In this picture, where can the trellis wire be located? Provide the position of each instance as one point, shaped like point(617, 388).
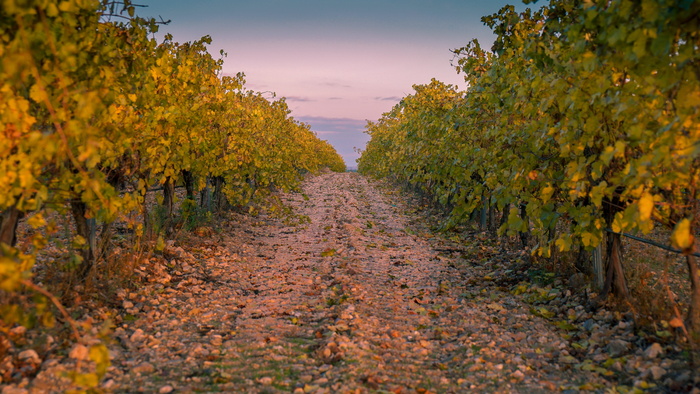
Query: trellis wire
point(650, 242)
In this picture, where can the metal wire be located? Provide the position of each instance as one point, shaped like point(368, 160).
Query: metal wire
point(650, 242)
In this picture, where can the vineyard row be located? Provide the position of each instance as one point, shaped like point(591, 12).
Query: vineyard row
point(94, 112)
point(583, 117)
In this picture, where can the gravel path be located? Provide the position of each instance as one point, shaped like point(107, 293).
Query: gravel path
point(352, 301)
point(352, 293)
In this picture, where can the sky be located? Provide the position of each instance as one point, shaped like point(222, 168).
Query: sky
point(338, 63)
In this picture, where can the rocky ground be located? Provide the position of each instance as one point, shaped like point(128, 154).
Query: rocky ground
point(354, 294)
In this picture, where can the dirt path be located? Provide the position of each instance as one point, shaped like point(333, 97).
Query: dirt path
point(352, 301)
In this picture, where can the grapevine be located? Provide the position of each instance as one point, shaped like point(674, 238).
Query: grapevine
point(95, 112)
point(583, 115)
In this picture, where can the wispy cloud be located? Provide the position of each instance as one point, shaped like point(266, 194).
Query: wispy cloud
point(335, 85)
point(389, 98)
point(301, 99)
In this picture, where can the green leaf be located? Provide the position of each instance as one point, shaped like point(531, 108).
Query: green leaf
point(566, 326)
point(542, 312)
point(640, 46)
point(661, 45)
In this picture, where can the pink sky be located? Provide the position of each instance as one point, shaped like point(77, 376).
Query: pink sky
point(338, 62)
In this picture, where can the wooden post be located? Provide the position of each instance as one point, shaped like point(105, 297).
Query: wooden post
point(694, 309)
point(188, 179)
point(8, 226)
point(168, 204)
point(86, 228)
point(524, 235)
point(598, 268)
point(205, 196)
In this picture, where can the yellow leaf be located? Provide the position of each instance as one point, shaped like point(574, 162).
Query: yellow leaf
point(589, 239)
point(681, 237)
point(37, 94)
point(100, 355)
point(496, 306)
point(547, 193)
point(564, 244)
point(79, 241)
point(39, 241)
point(10, 274)
point(67, 6)
point(646, 206)
point(328, 252)
point(86, 380)
point(26, 177)
point(160, 244)
point(51, 10)
point(617, 223)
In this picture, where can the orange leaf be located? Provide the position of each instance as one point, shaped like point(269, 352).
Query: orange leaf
point(676, 323)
